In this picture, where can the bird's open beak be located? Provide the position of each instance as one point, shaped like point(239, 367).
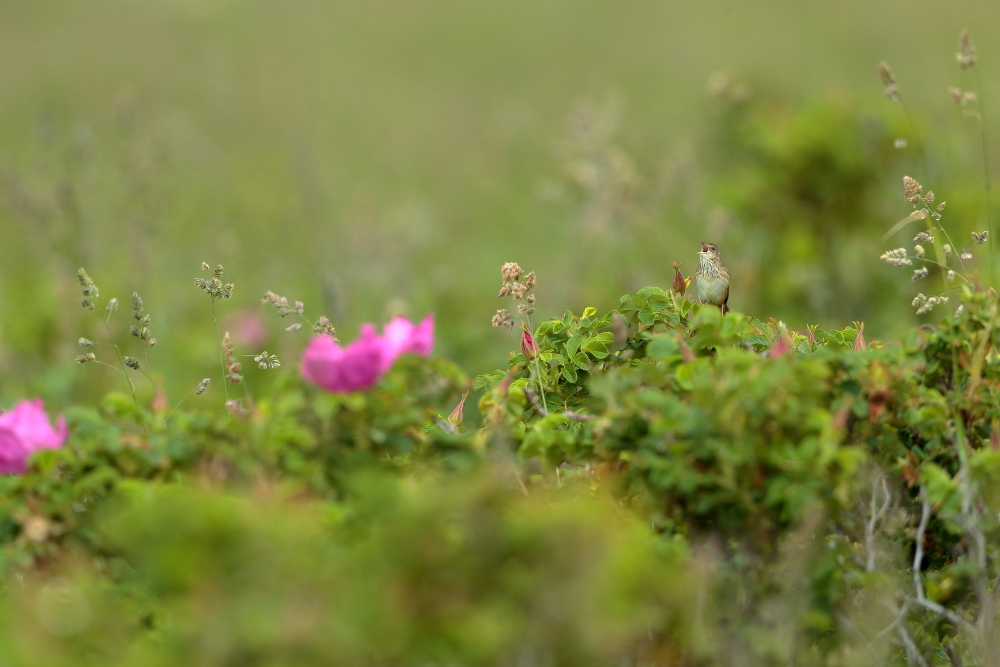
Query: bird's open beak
point(704, 248)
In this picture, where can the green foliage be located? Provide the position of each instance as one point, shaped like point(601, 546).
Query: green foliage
point(782, 481)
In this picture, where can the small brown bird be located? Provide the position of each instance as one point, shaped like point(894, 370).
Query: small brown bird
point(712, 277)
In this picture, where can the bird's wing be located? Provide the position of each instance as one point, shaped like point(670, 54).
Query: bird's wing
point(725, 301)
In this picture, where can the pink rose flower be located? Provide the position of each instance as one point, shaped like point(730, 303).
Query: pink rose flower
point(403, 337)
point(25, 429)
point(362, 363)
point(344, 369)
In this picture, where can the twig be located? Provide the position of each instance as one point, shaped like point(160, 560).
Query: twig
point(918, 556)
point(900, 616)
point(875, 518)
point(912, 652)
point(533, 397)
point(846, 622)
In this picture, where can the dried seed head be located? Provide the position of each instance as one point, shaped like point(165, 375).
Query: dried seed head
point(889, 81)
point(924, 237)
point(966, 255)
point(896, 257)
point(279, 302)
point(966, 56)
point(152, 342)
point(136, 306)
point(112, 305)
point(504, 291)
point(85, 342)
point(529, 280)
point(227, 348)
point(530, 298)
point(134, 330)
point(323, 326)
point(205, 266)
point(132, 363)
point(202, 386)
point(928, 303)
point(265, 361)
point(213, 286)
point(956, 94)
point(920, 274)
point(236, 408)
point(918, 250)
point(90, 290)
point(946, 250)
point(918, 300)
point(295, 327)
point(503, 319)
point(510, 272)
point(912, 190)
point(959, 310)
point(951, 276)
point(980, 238)
point(84, 358)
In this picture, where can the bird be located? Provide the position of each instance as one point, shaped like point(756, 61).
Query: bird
point(712, 278)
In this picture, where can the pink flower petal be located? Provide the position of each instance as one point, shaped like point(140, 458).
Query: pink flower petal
point(402, 337)
point(333, 368)
point(24, 430)
point(361, 364)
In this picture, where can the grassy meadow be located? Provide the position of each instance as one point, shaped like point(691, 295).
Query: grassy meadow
point(811, 479)
point(386, 157)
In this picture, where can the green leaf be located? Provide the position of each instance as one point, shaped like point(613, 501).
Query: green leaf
point(664, 347)
point(632, 302)
point(572, 345)
point(598, 345)
point(647, 316)
point(482, 382)
point(569, 373)
point(646, 292)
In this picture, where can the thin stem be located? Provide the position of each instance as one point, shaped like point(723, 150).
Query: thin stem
point(146, 355)
point(954, 249)
point(176, 407)
point(538, 368)
point(222, 356)
point(114, 368)
point(944, 267)
point(987, 175)
point(921, 154)
point(121, 360)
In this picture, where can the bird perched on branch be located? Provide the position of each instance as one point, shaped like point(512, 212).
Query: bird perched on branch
point(712, 277)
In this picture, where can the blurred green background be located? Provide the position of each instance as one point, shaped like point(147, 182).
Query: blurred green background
point(383, 157)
